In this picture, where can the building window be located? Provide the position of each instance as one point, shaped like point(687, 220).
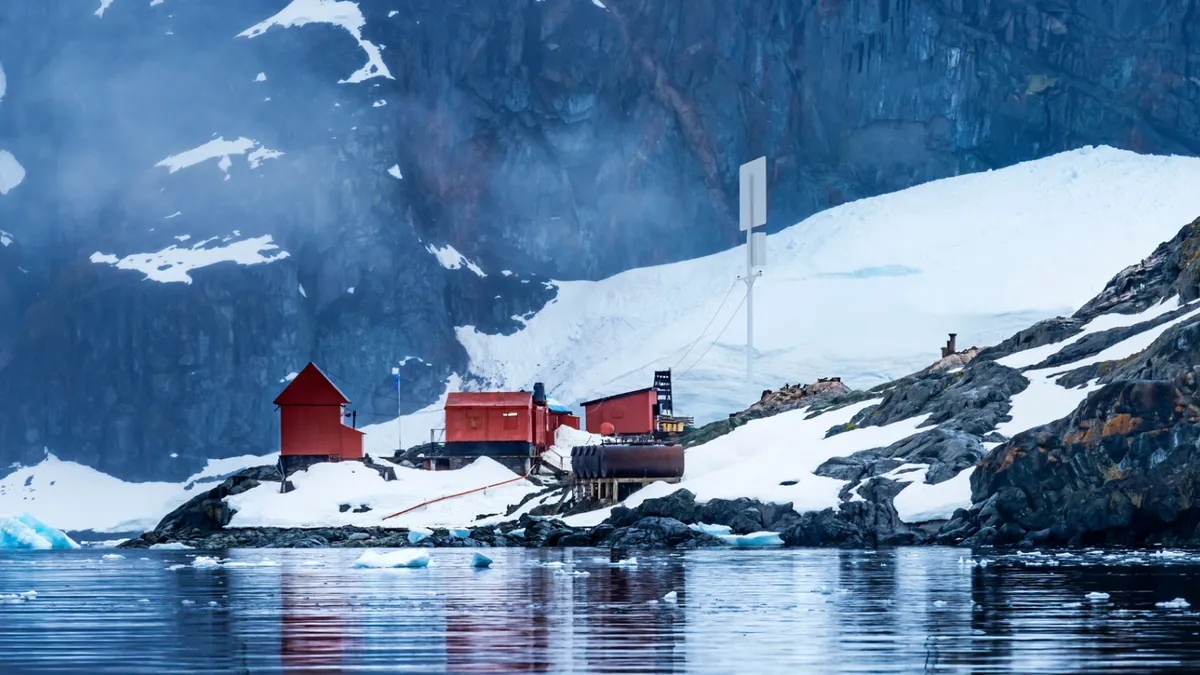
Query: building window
point(510, 420)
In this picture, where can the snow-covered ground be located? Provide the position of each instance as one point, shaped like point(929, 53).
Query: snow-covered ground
point(324, 487)
point(73, 497)
point(866, 291)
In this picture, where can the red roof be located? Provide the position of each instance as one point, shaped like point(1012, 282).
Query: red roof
point(489, 399)
point(311, 387)
point(616, 396)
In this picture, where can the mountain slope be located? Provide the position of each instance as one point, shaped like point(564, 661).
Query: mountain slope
point(866, 291)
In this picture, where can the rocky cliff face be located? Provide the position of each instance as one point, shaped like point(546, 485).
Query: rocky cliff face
point(552, 138)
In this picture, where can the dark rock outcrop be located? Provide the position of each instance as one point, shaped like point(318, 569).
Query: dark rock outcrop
point(208, 512)
point(1121, 470)
point(789, 397)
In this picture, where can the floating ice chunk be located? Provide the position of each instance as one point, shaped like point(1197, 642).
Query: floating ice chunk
point(671, 597)
point(112, 556)
point(480, 560)
point(1096, 596)
point(1072, 605)
point(23, 531)
point(416, 534)
point(187, 602)
point(205, 562)
point(13, 598)
point(172, 546)
point(265, 562)
point(460, 532)
point(1177, 603)
point(174, 568)
point(143, 600)
point(714, 530)
point(393, 559)
point(625, 562)
point(939, 603)
point(754, 540)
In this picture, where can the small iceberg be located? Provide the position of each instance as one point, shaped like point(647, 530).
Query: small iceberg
point(23, 531)
point(112, 556)
point(460, 532)
point(753, 540)
point(714, 530)
point(205, 562)
point(625, 562)
point(173, 546)
point(373, 559)
point(480, 560)
point(1177, 603)
point(416, 534)
point(1096, 596)
point(671, 597)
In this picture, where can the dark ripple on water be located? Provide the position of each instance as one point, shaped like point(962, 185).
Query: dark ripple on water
point(791, 611)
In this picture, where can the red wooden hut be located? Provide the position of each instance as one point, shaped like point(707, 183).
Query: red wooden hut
point(312, 425)
point(512, 427)
point(632, 412)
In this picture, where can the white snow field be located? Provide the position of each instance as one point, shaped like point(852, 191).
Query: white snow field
point(73, 497)
point(323, 488)
point(866, 291)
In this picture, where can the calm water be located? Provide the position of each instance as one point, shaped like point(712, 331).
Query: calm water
point(797, 611)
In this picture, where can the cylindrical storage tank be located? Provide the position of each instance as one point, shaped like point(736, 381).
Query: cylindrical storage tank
point(583, 461)
point(639, 461)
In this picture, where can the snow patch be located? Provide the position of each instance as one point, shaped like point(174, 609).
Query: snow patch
point(12, 173)
point(173, 264)
point(66, 494)
point(341, 13)
point(220, 150)
point(451, 259)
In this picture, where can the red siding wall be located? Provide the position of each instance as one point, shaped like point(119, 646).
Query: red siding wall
point(465, 424)
point(317, 430)
point(632, 414)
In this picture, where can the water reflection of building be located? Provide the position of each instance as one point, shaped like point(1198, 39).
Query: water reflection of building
point(314, 627)
point(500, 623)
point(628, 626)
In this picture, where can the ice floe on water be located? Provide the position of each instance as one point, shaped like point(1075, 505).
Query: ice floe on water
point(375, 559)
point(14, 598)
point(1177, 603)
point(480, 560)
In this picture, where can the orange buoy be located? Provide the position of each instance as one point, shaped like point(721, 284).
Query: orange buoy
point(607, 429)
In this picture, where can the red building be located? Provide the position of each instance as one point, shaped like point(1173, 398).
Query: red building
point(312, 425)
point(633, 412)
point(514, 428)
